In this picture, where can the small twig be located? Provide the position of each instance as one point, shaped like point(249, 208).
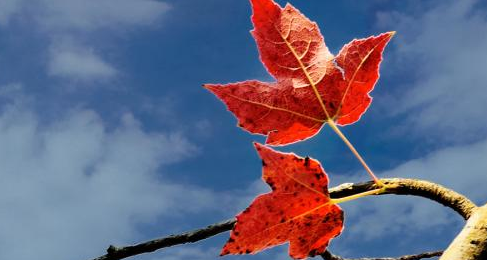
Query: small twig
point(425, 189)
point(329, 256)
point(114, 252)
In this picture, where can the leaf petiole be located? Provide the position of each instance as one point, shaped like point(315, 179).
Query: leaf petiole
point(357, 196)
point(335, 128)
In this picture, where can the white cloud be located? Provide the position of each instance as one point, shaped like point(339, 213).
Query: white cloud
point(85, 15)
point(99, 14)
point(447, 46)
point(461, 168)
point(188, 252)
point(444, 48)
point(71, 187)
point(7, 9)
point(12, 91)
point(206, 252)
point(78, 63)
point(81, 21)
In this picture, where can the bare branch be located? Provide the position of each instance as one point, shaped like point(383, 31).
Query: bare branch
point(116, 253)
point(446, 197)
point(425, 189)
point(471, 242)
point(329, 256)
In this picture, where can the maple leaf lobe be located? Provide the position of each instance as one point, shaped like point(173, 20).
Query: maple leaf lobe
point(359, 60)
point(312, 86)
point(272, 110)
point(290, 45)
point(297, 210)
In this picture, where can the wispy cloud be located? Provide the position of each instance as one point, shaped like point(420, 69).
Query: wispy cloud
point(197, 253)
point(444, 48)
point(440, 56)
point(207, 252)
point(7, 9)
point(88, 15)
point(82, 22)
point(78, 63)
point(461, 168)
point(74, 182)
point(99, 14)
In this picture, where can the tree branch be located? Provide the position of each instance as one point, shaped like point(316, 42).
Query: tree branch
point(116, 253)
point(471, 242)
point(435, 192)
point(329, 256)
point(397, 186)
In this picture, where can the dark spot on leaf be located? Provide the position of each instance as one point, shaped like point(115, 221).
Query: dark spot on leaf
point(263, 163)
point(306, 161)
point(326, 219)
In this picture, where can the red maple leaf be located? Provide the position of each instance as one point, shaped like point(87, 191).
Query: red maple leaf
point(297, 210)
point(313, 87)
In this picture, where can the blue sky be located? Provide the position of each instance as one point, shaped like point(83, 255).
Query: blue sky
point(107, 137)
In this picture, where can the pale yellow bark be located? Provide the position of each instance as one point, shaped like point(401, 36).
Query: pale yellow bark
point(471, 243)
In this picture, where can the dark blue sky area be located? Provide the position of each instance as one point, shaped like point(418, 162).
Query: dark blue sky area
point(102, 107)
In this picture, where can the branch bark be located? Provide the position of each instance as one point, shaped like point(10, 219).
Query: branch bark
point(471, 243)
point(397, 186)
point(435, 192)
point(116, 253)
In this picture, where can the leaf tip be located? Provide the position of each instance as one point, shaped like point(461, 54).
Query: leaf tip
point(258, 146)
point(225, 250)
